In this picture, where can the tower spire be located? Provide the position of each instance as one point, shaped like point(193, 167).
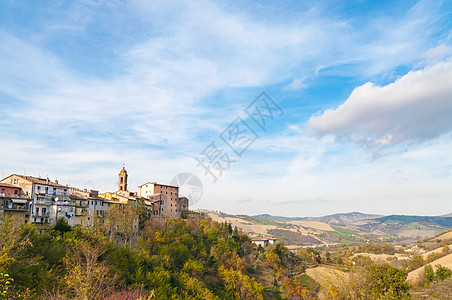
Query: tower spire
point(122, 183)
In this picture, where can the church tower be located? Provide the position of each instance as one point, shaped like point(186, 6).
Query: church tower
point(122, 184)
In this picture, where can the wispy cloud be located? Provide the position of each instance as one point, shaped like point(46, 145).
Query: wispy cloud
point(81, 95)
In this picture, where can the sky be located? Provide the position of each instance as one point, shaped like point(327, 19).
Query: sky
point(293, 108)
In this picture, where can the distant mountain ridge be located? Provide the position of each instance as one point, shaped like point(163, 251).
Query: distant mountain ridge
point(340, 218)
point(347, 218)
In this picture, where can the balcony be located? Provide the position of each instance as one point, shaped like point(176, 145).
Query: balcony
point(41, 215)
point(59, 193)
point(62, 199)
point(6, 195)
point(15, 207)
point(43, 202)
point(39, 192)
point(47, 200)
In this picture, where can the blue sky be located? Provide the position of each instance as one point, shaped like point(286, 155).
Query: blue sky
point(365, 88)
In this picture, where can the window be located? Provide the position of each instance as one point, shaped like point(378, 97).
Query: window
point(37, 210)
point(47, 189)
point(44, 210)
point(15, 192)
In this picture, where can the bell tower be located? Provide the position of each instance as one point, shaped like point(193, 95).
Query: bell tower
point(122, 184)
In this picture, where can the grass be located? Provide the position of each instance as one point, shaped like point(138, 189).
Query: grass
point(346, 241)
point(259, 221)
point(307, 282)
point(344, 231)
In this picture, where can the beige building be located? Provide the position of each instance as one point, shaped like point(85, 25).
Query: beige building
point(46, 196)
point(165, 199)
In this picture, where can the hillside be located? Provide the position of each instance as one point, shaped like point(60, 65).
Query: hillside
point(194, 258)
point(338, 219)
point(345, 228)
point(293, 233)
point(445, 261)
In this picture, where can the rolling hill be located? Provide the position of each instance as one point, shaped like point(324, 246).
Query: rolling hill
point(353, 227)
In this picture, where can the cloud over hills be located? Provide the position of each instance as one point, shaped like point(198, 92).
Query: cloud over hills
point(415, 108)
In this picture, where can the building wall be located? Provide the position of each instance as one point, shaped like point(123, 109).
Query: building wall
point(10, 190)
point(146, 190)
point(170, 207)
point(43, 195)
point(25, 185)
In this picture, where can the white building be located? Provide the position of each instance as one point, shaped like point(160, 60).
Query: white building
point(45, 196)
point(264, 242)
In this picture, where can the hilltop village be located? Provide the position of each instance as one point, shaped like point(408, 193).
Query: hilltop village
point(43, 201)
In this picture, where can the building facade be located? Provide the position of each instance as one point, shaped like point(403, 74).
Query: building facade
point(165, 199)
point(46, 196)
point(13, 202)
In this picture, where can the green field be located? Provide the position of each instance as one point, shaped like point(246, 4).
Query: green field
point(343, 231)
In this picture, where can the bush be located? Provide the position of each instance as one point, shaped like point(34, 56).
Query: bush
point(429, 274)
point(443, 272)
point(62, 226)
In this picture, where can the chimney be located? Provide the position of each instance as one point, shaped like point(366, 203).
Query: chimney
point(56, 181)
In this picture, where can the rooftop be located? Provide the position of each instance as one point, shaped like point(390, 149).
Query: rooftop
point(157, 184)
point(37, 180)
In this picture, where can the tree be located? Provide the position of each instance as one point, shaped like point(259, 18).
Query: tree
point(241, 285)
point(143, 213)
point(62, 226)
point(429, 274)
point(443, 272)
point(122, 222)
point(87, 276)
point(375, 281)
point(416, 262)
point(386, 280)
point(14, 237)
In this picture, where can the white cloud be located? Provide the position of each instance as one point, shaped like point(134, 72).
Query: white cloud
point(417, 107)
point(438, 52)
point(296, 84)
